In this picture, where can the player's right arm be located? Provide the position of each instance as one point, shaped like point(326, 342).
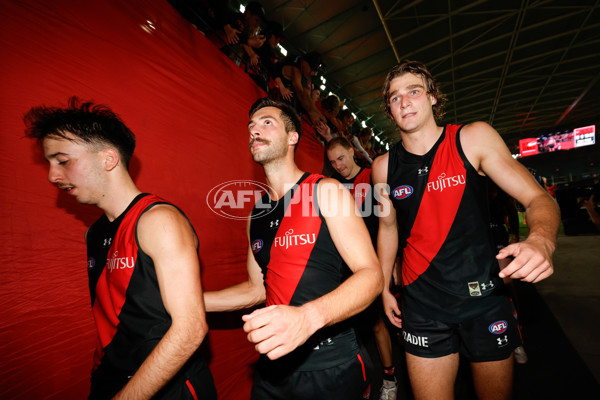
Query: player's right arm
point(242, 295)
point(387, 237)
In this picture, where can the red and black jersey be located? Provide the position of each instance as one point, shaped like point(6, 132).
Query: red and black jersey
point(361, 188)
point(300, 263)
point(441, 204)
point(126, 302)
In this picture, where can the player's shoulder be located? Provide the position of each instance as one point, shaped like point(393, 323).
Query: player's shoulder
point(477, 130)
point(327, 183)
point(160, 214)
point(379, 167)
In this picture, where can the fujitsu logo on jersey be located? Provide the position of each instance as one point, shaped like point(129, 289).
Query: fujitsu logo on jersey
point(445, 183)
point(116, 262)
point(289, 239)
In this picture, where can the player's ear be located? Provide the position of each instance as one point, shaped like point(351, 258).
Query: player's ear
point(293, 138)
point(110, 158)
point(433, 99)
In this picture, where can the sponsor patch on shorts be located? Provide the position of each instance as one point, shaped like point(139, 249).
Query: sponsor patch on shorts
point(474, 289)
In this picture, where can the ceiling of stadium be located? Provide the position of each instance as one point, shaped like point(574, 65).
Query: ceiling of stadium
point(525, 66)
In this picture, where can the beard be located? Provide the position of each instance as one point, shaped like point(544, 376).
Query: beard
point(271, 151)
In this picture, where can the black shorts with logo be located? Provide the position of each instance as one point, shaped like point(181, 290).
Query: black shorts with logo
point(491, 336)
point(346, 381)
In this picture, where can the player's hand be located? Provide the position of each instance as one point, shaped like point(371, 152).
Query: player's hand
point(391, 309)
point(277, 330)
point(532, 260)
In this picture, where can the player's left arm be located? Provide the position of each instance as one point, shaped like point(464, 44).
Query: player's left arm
point(277, 330)
point(168, 238)
point(487, 152)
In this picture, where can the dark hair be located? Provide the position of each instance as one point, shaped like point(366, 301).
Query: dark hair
point(288, 114)
point(345, 113)
point(273, 29)
point(96, 125)
point(338, 141)
point(365, 132)
point(255, 8)
point(416, 68)
point(315, 61)
point(331, 103)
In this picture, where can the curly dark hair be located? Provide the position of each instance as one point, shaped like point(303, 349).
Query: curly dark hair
point(416, 68)
point(93, 124)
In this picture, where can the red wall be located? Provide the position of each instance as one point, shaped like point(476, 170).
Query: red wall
point(187, 104)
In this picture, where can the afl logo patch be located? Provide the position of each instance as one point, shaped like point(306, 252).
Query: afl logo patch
point(91, 262)
point(257, 245)
point(402, 192)
point(498, 327)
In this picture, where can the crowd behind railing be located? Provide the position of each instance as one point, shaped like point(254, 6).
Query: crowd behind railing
point(254, 43)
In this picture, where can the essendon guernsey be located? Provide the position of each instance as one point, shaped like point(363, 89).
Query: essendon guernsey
point(126, 303)
point(300, 263)
point(441, 204)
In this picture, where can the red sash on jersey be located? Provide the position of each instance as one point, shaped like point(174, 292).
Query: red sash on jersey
point(437, 211)
point(293, 244)
point(112, 285)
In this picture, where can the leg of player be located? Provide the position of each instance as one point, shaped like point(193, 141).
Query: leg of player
point(493, 380)
point(389, 386)
point(432, 378)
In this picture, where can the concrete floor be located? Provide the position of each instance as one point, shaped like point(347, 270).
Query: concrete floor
point(573, 295)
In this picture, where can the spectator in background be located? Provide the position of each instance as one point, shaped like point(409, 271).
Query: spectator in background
point(315, 95)
point(347, 119)
point(242, 33)
point(296, 73)
point(358, 180)
point(330, 107)
point(239, 27)
point(364, 136)
point(264, 72)
point(367, 154)
point(590, 205)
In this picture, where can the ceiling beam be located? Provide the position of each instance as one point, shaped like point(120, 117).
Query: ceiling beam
point(508, 59)
point(387, 31)
point(558, 63)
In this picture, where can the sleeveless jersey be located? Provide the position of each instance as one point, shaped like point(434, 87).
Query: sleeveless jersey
point(361, 188)
point(300, 263)
point(126, 303)
point(449, 266)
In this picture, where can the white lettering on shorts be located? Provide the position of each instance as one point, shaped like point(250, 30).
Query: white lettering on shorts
point(422, 341)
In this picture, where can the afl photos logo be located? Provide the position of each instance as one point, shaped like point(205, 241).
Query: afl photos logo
point(235, 199)
point(402, 192)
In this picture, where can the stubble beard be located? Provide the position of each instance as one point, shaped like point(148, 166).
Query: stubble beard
point(269, 153)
